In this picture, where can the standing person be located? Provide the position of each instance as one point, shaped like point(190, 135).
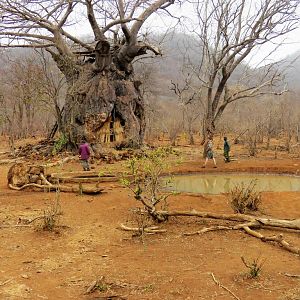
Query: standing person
point(209, 153)
point(226, 150)
point(84, 155)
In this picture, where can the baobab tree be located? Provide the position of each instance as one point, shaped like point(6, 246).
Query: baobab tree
point(99, 74)
point(229, 31)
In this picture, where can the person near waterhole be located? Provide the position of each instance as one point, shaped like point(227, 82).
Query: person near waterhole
point(226, 150)
point(209, 153)
point(84, 154)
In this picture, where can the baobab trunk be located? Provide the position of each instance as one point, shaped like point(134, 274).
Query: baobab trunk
point(99, 96)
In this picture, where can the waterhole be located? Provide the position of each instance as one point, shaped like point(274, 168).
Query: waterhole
point(223, 183)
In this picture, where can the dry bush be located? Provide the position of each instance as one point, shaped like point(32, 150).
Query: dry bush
point(245, 198)
point(50, 219)
point(142, 220)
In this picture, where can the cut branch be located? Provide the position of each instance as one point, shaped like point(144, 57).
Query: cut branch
point(278, 239)
point(150, 229)
point(224, 287)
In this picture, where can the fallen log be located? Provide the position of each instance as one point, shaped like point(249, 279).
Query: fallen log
point(74, 174)
point(10, 161)
point(256, 220)
point(85, 177)
point(278, 239)
point(61, 188)
point(220, 227)
point(251, 222)
point(21, 176)
point(60, 162)
point(85, 180)
point(81, 177)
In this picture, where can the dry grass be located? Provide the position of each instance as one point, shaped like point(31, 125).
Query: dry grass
point(50, 219)
point(244, 198)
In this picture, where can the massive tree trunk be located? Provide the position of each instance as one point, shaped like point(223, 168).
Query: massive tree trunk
point(101, 91)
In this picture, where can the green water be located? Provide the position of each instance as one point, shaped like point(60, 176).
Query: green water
point(223, 183)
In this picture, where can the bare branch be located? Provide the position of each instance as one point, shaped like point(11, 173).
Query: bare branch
point(67, 14)
point(228, 32)
point(123, 25)
point(91, 17)
point(145, 15)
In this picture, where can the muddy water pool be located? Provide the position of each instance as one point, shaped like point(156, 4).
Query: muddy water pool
point(223, 183)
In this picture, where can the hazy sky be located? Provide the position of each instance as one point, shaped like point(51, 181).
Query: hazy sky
point(284, 46)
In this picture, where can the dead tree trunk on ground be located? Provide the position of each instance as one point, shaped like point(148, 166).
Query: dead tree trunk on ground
point(247, 223)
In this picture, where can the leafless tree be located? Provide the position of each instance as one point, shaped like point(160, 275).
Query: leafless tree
point(171, 122)
point(145, 73)
point(53, 86)
point(189, 101)
point(228, 32)
point(99, 73)
point(22, 81)
point(32, 88)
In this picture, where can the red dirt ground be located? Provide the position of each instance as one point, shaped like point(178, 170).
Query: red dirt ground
point(88, 245)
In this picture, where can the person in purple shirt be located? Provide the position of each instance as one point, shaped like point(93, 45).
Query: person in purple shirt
point(84, 155)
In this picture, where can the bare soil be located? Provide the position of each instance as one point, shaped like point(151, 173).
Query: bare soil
point(88, 245)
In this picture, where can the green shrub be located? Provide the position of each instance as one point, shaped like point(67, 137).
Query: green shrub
point(59, 144)
point(144, 179)
point(255, 267)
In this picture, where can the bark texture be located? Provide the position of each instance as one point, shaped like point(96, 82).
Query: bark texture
point(98, 96)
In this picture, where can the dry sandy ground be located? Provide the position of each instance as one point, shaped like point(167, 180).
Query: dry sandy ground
point(88, 245)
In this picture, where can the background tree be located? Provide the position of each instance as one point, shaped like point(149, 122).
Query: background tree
point(32, 91)
point(228, 32)
point(190, 104)
point(99, 73)
point(53, 86)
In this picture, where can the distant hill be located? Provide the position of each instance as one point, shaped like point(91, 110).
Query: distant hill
point(177, 49)
point(177, 46)
point(291, 68)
